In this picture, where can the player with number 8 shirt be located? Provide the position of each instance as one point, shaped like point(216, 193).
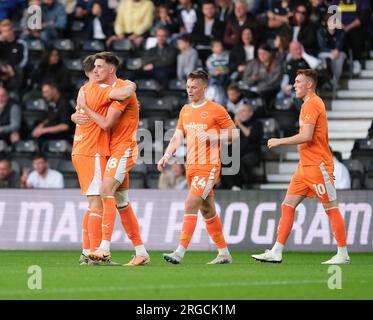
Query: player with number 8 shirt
point(314, 176)
point(205, 125)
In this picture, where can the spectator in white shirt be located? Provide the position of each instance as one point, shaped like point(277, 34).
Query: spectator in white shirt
point(341, 175)
point(41, 177)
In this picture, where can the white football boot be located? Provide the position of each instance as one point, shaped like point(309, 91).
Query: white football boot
point(268, 256)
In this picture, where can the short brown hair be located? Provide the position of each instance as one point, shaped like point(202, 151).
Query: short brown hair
point(108, 57)
point(6, 23)
point(199, 74)
point(88, 63)
point(312, 74)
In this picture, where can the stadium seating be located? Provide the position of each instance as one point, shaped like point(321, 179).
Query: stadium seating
point(69, 174)
point(4, 148)
point(23, 151)
point(363, 150)
point(34, 111)
point(356, 170)
point(64, 46)
point(148, 87)
point(133, 64)
point(55, 151)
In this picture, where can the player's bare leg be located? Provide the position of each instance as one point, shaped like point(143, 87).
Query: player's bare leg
point(284, 228)
point(215, 230)
point(192, 205)
point(339, 231)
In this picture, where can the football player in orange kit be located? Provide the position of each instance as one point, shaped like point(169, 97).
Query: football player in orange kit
point(89, 155)
point(314, 176)
point(202, 123)
point(122, 122)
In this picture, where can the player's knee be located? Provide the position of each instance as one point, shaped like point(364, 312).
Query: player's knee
point(122, 198)
point(95, 203)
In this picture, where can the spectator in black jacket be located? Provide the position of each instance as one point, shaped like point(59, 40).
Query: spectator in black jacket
point(251, 133)
point(8, 177)
point(57, 124)
point(207, 27)
point(10, 118)
point(159, 62)
point(98, 21)
point(236, 23)
point(302, 29)
point(52, 69)
point(331, 41)
point(241, 54)
point(225, 10)
point(13, 56)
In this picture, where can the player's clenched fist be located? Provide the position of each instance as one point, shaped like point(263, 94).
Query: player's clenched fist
point(273, 142)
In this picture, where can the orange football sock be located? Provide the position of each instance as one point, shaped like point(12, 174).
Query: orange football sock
point(108, 217)
point(95, 228)
point(285, 224)
point(85, 235)
point(189, 224)
point(130, 225)
point(338, 226)
point(215, 230)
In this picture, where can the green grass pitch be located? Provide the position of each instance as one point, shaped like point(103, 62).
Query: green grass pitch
point(300, 276)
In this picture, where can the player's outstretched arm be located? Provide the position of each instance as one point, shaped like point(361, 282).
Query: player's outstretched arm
point(124, 92)
point(305, 136)
point(175, 142)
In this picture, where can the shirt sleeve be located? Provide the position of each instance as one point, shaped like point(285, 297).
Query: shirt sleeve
point(180, 121)
point(223, 119)
point(311, 113)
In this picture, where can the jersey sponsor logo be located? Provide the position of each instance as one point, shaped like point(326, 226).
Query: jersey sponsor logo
point(204, 115)
point(195, 126)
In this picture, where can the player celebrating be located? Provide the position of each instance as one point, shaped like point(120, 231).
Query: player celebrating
point(200, 122)
point(122, 119)
point(314, 176)
point(90, 149)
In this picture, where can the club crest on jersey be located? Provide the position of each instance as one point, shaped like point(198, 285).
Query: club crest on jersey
point(204, 114)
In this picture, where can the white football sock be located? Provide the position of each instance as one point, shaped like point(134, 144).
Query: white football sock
point(342, 251)
point(278, 247)
point(224, 251)
point(105, 244)
point(141, 251)
point(180, 251)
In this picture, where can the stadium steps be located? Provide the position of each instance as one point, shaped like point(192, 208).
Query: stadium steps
point(352, 106)
point(366, 74)
point(360, 84)
point(274, 186)
point(357, 94)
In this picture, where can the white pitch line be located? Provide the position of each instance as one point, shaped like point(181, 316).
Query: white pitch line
point(160, 287)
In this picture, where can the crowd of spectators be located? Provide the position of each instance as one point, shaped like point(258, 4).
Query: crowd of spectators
point(250, 48)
